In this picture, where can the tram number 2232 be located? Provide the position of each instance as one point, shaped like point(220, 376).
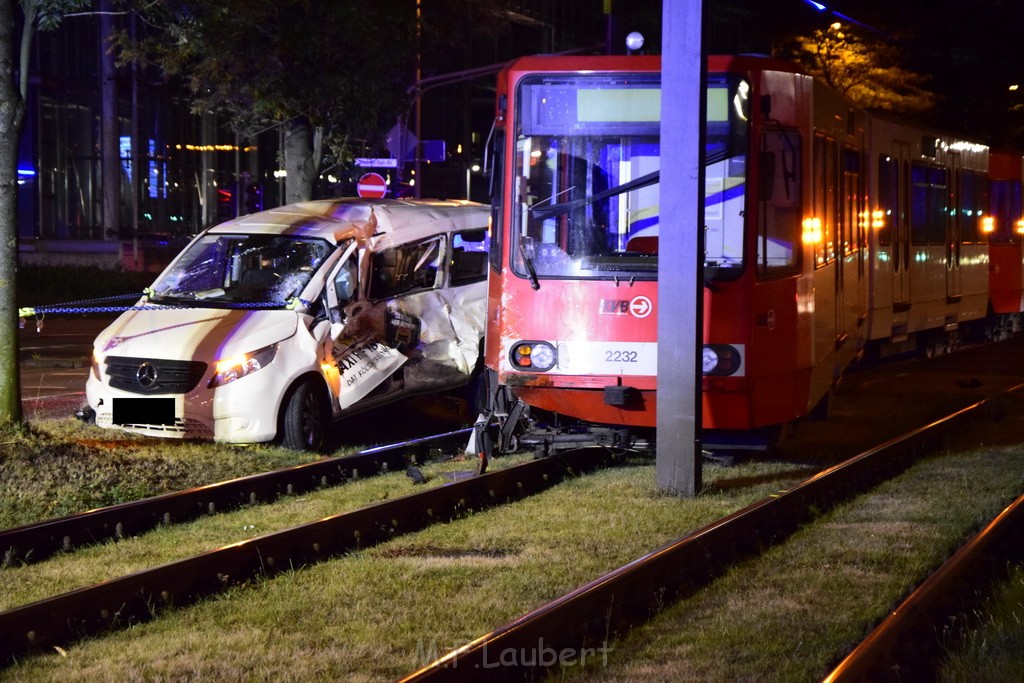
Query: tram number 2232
point(626, 358)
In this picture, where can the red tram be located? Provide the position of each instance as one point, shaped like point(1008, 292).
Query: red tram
point(1006, 248)
point(827, 231)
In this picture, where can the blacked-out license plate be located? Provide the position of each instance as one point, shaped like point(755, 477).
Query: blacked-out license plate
point(143, 411)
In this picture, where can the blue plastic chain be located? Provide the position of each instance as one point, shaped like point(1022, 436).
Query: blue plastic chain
point(76, 307)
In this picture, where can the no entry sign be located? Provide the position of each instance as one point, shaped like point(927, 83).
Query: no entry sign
point(372, 185)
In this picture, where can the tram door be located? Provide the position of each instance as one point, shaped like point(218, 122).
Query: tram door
point(900, 218)
point(851, 299)
point(953, 237)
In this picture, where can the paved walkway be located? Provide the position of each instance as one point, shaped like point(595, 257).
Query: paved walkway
point(54, 364)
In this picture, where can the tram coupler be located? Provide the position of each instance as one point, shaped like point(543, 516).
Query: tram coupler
point(548, 442)
point(481, 443)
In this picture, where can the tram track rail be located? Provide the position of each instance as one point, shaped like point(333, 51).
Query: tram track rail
point(587, 618)
point(908, 644)
point(140, 596)
point(38, 541)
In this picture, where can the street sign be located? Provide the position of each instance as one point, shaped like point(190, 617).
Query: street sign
point(377, 162)
point(400, 141)
point(432, 150)
point(372, 185)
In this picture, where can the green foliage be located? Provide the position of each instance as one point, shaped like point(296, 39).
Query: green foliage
point(342, 67)
point(49, 13)
point(866, 72)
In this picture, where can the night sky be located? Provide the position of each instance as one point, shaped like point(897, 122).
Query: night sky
point(971, 50)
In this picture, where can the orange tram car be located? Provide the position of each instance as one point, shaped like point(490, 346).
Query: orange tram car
point(829, 232)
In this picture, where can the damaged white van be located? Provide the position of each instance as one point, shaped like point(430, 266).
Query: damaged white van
point(271, 325)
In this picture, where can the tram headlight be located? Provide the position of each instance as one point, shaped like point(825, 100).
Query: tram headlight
point(720, 360)
point(532, 355)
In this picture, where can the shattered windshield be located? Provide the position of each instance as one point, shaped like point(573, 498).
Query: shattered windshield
point(242, 269)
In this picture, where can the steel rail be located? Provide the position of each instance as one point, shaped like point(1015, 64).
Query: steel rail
point(907, 645)
point(579, 625)
point(35, 542)
point(138, 597)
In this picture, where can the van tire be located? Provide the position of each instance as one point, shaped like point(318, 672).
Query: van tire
point(305, 418)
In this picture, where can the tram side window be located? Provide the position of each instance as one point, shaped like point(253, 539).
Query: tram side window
point(824, 205)
point(973, 200)
point(929, 212)
point(888, 198)
point(1006, 208)
point(779, 228)
point(497, 180)
point(851, 227)
point(405, 269)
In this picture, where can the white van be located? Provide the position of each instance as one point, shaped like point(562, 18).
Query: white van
point(271, 325)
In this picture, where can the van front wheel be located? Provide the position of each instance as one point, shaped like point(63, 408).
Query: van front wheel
point(304, 419)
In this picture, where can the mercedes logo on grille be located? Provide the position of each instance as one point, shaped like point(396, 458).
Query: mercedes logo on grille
point(146, 375)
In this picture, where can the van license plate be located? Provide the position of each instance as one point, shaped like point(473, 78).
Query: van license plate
point(143, 411)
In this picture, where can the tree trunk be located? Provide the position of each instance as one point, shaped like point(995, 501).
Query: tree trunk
point(12, 116)
point(299, 161)
point(110, 161)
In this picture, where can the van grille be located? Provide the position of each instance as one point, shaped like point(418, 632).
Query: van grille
point(154, 376)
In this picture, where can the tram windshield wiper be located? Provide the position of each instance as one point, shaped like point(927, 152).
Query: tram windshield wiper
point(530, 270)
point(542, 212)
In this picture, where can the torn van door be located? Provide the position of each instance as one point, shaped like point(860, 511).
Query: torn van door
point(409, 317)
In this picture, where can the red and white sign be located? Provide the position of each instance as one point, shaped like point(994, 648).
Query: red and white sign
point(640, 307)
point(372, 185)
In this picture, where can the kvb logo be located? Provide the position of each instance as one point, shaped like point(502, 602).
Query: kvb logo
point(614, 307)
point(638, 307)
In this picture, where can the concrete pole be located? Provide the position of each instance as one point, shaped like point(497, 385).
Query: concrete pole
point(680, 249)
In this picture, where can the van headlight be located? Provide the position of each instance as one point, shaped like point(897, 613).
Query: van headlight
point(237, 367)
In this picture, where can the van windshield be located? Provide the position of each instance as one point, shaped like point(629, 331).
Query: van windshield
point(242, 269)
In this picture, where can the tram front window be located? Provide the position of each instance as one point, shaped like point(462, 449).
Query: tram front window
point(587, 164)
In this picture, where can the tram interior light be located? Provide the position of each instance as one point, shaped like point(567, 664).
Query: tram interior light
point(877, 220)
point(812, 230)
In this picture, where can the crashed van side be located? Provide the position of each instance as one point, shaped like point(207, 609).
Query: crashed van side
point(274, 324)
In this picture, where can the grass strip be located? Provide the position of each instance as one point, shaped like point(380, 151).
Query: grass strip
point(991, 650)
point(53, 468)
point(380, 613)
point(792, 613)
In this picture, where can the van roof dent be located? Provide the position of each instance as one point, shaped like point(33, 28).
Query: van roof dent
point(336, 220)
